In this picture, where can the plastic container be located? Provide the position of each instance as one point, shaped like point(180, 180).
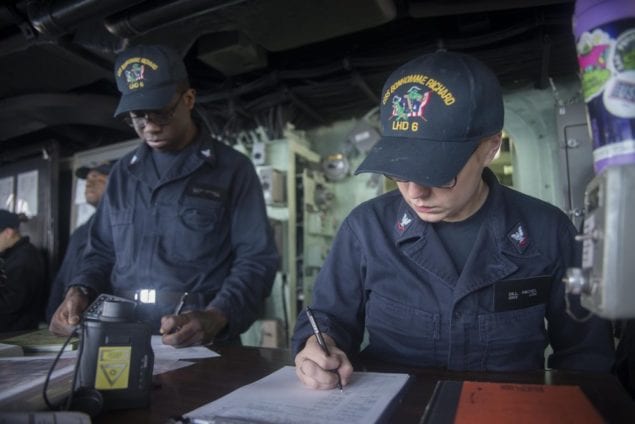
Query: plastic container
point(605, 42)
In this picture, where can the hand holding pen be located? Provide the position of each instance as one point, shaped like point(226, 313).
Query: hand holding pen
point(321, 342)
point(177, 311)
point(194, 327)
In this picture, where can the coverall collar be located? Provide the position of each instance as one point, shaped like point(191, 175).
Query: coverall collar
point(503, 234)
point(204, 153)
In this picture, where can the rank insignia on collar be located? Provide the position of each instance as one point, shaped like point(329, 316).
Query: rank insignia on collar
point(403, 222)
point(518, 237)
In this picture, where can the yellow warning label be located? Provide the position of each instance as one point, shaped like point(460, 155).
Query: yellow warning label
point(113, 367)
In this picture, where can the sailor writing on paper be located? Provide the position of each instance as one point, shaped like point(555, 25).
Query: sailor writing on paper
point(452, 270)
point(181, 213)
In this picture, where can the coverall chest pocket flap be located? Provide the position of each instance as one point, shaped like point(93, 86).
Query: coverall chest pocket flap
point(395, 319)
point(121, 222)
point(196, 232)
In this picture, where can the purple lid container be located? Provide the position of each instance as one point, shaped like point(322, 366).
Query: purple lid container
point(589, 14)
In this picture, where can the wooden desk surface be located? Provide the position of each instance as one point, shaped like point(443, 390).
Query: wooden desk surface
point(187, 388)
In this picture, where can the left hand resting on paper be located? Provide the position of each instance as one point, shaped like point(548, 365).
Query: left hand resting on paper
point(316, 370)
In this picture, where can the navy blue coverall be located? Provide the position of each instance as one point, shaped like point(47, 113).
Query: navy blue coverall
point(202, 228)
point(71, 263)
point(388, 272)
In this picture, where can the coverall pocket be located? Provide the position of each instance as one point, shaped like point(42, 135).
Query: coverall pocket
point(194, 234)
point(121, 222)
point(513, 340)
point(399, 329)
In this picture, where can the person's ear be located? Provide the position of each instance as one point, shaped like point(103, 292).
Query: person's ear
point(189, 97)
point(492, 145)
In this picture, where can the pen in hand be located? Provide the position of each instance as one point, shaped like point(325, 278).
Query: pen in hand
point(321, 342)
point(179, 306)
point(177, 311)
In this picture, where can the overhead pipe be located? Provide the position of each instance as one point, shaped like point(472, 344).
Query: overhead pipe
point(47, 21)
point(134, 23)
point(58, 17)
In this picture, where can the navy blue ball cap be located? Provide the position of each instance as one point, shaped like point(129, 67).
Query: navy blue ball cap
point(148, 77)
point(434, 112)
point(8, 219)
point(103, 168)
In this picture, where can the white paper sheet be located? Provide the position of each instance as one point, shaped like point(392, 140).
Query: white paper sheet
point(23, 373)
point(163, 351)
point(282, 398)
point(165, 365)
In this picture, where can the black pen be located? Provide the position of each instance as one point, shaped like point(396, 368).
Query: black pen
point(179, 307)
point(321, 342)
